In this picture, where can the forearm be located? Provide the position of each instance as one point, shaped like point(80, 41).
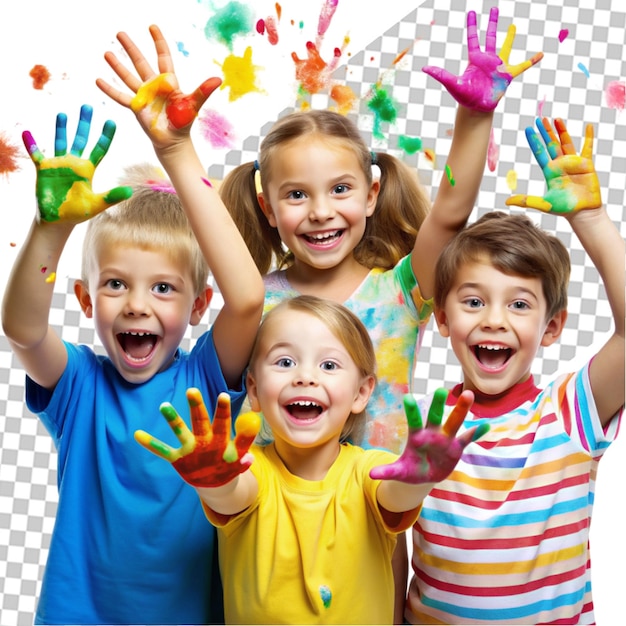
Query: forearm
point(396, 496)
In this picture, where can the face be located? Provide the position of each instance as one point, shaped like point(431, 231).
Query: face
point(142, 302)
point(318, 198)
point(305, 382)
point(496, 323)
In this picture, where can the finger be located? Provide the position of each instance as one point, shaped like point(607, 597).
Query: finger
point(458, 414)
point(161, 86)
point(139, 62)
point(115, 195)
point(178, 426)
point(200, 422)
point(492, 31)
point(413, 416)
point(202, 93)
point(156, 446)
point(530, 202)
point(435, 412)
point(516, 70)
point(82, 131)
point(473, 434)
point(112, 92)
point(538, 149)
point(164, 57)
point(60, 135)
point(505, 51)
point(587, 151)
point(222, 418)
point(123, 73)
point(566, 140)
point(472, 34)
point(247, 427)
point(383, 472)
point(36, 155)
point(104, 143)
point(553, 145)
point(440, 74)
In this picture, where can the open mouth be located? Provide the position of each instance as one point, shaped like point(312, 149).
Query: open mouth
point(304, 410)
point(324, 239)
point(492, 357)
point(137, 346)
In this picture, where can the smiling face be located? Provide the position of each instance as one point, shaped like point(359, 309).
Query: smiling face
point(496, 323)
point(318, 198)
point(142, 302)
point(305, 382)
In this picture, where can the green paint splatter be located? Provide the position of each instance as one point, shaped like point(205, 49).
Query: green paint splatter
point(384, 109)
point(326, 595)
point(233, 20)
point(410, 145)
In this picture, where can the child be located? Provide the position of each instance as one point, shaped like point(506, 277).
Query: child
point(505, 538)
point(306, 525)
point(129, 545)
point(334, 230)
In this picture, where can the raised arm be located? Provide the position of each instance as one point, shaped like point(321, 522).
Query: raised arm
point(478, 91)
point(574, 192)
point(166, 115)
point(208, 458)
point(431, 452)
point(64, 199)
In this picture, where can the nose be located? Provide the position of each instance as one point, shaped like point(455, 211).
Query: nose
point(305, 377)
point(136, 305)
point(494, 317)
point(321, 210)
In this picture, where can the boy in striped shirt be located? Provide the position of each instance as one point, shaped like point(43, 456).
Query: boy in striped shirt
point(504, 539)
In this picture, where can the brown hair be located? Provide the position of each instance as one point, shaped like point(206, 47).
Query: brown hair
point(514, 245)
point(151, 219)
point(348, 328)
point(390, 232)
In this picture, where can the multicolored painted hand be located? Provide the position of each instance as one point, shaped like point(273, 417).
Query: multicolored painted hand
point(572, 180)
point(433, 451)
point(487, 75)
point(208, 457)
point(63, 186)
point(163, 111)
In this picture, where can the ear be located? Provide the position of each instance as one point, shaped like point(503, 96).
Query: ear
point(251, 388)
point(372, 197)
point(554, 328)
point(442, 322)
point(84, 299)
point(200, 305)
point(266, 207)
point(363, 395)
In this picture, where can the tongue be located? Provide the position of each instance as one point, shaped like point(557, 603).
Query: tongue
point(139, 347)
point(492, 358)
point(304, 412)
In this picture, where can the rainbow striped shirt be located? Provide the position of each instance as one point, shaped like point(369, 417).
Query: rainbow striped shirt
point(505, 538)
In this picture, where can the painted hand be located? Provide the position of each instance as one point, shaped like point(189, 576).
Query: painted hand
point(208, 457)
point(63, 186)
point(487, 75)
point(572, 180)
point(163, 111)
point(431, 452)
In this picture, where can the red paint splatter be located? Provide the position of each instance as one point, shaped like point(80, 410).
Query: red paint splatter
point(40, 76)
point(615, 94)
point(260, 27)
point(493, 153)
point(563, 33)
point(8, 156)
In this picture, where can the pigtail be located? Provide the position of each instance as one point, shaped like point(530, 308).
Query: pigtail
point(239, 195)
point(400, 210)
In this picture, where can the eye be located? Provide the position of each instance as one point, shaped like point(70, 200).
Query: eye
point(114, 284)
point(285, 362)
point(520, 305)
point(296, 194)
point(328, 366)
point(341, 188)
point(473, 303)
point(162, 288)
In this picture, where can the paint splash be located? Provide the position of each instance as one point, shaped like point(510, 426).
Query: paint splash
point(40, 76)
point(8, 156)
point(313, 73)
point(326, 595)
point(493, 152)
point(410, 145)
point(511, 180)
point(180, 46)
point(540, 107)
point(326, 16)
point(615, 94)
point(345, 98)
point(384, 109)
point(563, 33)
point(583, 69)
point(269, 25)
point(240, 75)
point(229, 22)
point(449, 176)
point(430, 156)
point(216, 129)
point(51, 278)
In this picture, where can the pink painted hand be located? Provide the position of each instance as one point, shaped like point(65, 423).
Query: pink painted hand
point(487, 76)
point(433, 451)
point(208, 457)
point(572, 180)
point(63, 186)
point(163, 110)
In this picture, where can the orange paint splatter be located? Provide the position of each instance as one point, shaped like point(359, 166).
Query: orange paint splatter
point(8, 156)
point(40, 76)
point(344, 97)
point(313, 72)
point(430, 155)
point(400, 56)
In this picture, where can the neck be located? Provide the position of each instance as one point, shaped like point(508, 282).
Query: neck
point(309, 463)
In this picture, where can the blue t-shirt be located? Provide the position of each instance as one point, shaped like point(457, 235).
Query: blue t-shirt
point(131, 543)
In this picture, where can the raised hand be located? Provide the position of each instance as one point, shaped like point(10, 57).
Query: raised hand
point(431, 452)
point(572, 180)
point(63, 186)
point(487, 76)
point(208, 457)
point(163, 111)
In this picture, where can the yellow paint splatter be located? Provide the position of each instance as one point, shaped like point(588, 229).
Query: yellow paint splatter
point(511, 180)
point(240, 75)
point(51, 278)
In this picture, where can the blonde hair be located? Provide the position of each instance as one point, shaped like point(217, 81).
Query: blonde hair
point(151, 219)
point(350, 331)
point(390, 232)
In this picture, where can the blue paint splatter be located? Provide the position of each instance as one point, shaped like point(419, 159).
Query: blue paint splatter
point(181, 48)
point(583, 69)
point(326, 595)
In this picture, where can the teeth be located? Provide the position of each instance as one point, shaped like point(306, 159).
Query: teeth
point(137, 334)
point(490, 347)
point(304, 403)
point(323, 236)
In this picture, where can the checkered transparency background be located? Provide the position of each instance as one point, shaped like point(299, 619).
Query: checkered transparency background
point(569, 83)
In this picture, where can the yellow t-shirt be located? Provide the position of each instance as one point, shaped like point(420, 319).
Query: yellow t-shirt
point(311, 552)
